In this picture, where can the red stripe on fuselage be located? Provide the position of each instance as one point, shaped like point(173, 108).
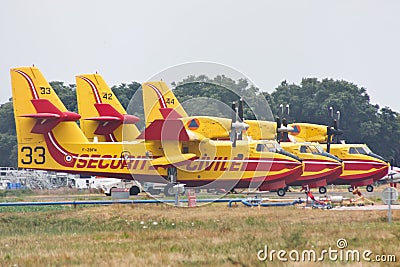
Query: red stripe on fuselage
point(58, 153)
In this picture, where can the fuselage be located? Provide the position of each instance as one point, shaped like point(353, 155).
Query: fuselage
point(208, 163)
point(320, 168)
point(360, 166)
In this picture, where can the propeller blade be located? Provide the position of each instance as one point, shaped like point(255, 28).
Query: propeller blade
point(328, 142)
point(335, 124)
point(233, 116)
point(278, 122)
point(240, 110)
point(233, 137)
point(330, 110)
point(285, 134)
point(278, 127)
point(233, 134)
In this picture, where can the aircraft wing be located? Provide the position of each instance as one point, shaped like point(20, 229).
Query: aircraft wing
point(163, 161)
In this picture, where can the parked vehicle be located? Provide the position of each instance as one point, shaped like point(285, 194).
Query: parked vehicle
point(134, 186)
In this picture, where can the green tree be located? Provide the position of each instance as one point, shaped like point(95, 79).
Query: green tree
point(7, 125)
point(214, 97)
point(124, 92)
point(8, 143)
point(67, 94)
point(8, 139)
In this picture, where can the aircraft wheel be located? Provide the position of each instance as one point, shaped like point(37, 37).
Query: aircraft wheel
point(134, 190)
point(322, 190)
point(168, 190)
point(370, 188)
point(281, 192)
point(350, 189)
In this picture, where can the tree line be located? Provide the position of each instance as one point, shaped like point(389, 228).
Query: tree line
point(309, 101)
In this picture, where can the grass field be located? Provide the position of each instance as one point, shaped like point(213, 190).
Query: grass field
point(161, 235)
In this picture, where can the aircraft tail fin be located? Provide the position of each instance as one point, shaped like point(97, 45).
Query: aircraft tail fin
point(102, 114)
point(43, 124)
point(160, 102)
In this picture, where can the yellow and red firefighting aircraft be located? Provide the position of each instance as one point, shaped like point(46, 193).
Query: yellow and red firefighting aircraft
point(361, 167)
point(49, 139)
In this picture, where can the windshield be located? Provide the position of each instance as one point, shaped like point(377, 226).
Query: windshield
point(269, 147)
point(320, 149)
point(364, 150)
point(266, 147)
point(314, 149)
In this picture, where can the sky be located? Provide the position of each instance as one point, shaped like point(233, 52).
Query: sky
point(268, 41)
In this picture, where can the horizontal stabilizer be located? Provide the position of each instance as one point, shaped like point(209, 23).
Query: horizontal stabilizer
point(165, 130)
point(103, 118)
point(110, 119)
point(45, 116)
point(170, 113)
point(106, 110)
point(48, 116)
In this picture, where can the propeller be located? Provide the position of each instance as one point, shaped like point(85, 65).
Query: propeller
point(237, 124)
point(240, 115)
point(283, 132)
point(333, 131)
point(336, 127)
point(233, 135)
point(285, 135)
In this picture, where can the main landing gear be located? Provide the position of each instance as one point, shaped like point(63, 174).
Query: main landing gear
point(350, 189)
point(322, 190)
point(369, 188)
point(168, 189)
point(282, 191)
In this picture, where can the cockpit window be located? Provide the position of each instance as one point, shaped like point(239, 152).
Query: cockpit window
point(306, 149)
point(319, 148)
point(266, 148)
point(352, 150)
point(259, 147)
point(361, 151)
point(367, 150)
point(313, 149)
